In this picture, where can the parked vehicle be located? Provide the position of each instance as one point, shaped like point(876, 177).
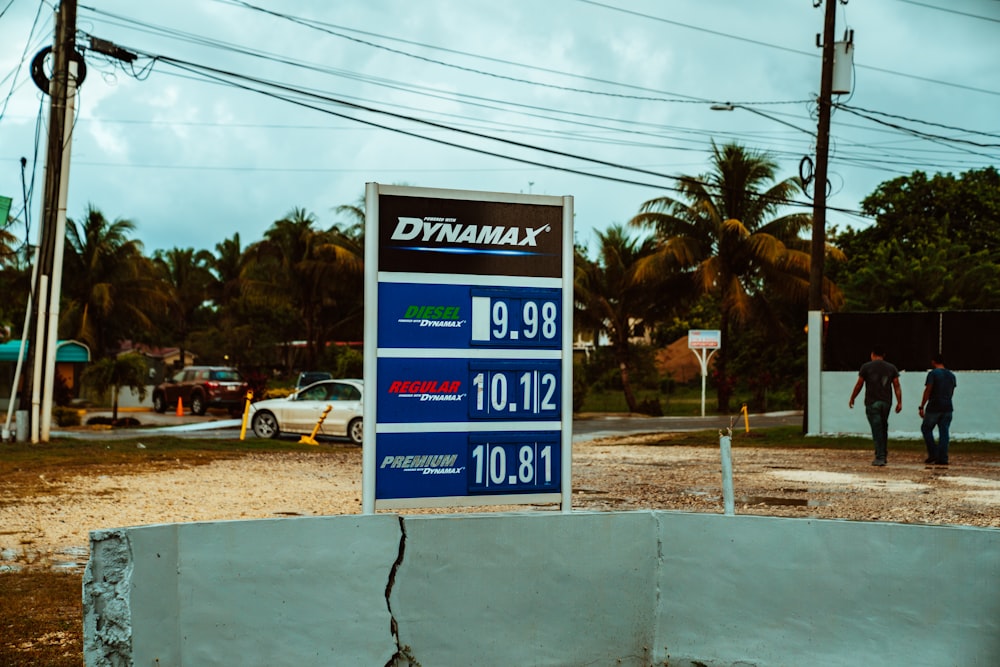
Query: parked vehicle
point(202, 387)
point(299, 412)
point(306, 378)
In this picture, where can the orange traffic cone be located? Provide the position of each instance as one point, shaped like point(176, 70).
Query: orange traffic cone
point(180, 407)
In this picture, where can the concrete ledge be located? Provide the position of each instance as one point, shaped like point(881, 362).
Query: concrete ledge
point(544, 588)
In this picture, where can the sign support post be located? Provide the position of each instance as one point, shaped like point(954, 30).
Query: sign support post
point(704, 343)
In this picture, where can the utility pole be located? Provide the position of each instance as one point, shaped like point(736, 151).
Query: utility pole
point(818, 256)
point(52, 234)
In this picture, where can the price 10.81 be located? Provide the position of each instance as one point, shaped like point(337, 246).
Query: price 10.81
point(523, 319)
point(513, 463)
point(514, 392)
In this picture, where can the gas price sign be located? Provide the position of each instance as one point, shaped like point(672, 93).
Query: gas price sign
point(467, 348)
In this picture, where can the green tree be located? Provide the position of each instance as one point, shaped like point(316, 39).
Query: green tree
point(303, 267)
point(612, 298)
point(724, 231)
point(226, 266)
point(186, 272)
point(935, 244)
point(111, 292)
point(127, 370)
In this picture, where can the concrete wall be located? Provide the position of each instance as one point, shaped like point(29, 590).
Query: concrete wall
point(975, 406)
point(546, 588)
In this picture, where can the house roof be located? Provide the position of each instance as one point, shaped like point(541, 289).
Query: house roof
point(66, 350)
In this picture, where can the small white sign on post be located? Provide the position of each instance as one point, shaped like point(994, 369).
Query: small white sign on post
point(704, 343)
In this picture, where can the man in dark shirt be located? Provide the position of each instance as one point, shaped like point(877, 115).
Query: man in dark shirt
point(880, 379)
point(936, 409)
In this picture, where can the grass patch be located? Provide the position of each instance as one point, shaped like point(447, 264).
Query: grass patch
point(41, 619)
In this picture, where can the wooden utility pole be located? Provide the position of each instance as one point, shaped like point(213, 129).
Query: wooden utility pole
point(818, 255)
point(62, 91)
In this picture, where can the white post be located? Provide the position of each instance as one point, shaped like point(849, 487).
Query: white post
point(725, 451)
point(703, 360)
point(36, 371)
point(814, 381)
point(700, 340)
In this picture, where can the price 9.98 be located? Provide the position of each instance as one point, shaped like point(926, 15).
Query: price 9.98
point(513, 321)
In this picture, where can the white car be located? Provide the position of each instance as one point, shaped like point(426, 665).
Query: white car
point(300, 411)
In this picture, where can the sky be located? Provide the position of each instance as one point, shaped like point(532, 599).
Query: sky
point(605, 100)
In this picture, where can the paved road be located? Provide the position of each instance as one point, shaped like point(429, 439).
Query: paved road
point(587, 428)
point(612, 425)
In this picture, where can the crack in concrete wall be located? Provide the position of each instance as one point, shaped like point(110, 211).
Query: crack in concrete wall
point(402, 652)
point(107, 619)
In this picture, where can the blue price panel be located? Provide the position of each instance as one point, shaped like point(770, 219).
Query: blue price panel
point(516, 317)
point(514, 390)
point(513, 463)
point(456, 390)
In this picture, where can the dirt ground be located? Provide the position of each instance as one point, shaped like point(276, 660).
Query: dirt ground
point(51, 530)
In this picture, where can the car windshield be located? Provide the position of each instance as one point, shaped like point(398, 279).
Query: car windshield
point(226, 376)
point(316, 392)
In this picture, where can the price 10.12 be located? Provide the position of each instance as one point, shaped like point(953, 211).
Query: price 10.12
point(516, 318)
point(513, 463)
point(514, 391)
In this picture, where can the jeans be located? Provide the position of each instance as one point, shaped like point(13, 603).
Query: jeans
point(942, 420)
point(878, 418)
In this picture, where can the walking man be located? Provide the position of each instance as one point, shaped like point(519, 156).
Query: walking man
point(936, 409)
point(880, 379)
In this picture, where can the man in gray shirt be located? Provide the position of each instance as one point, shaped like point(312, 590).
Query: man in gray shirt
point(880, 379)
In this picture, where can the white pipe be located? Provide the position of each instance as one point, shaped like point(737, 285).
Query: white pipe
point(36, 375)
point(725, 451)
point(48, 388)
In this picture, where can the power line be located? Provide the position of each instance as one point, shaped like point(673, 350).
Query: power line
point(948, 10)
point(918, 133)
point(224, 76)
point(777, 47)
point(917, 120)
point(20, 62)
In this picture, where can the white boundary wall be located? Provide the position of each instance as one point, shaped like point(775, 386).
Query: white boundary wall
point(976, 415)
point(629, 588)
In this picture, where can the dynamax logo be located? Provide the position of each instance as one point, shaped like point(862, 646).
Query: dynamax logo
point(428, 464)
point(445, 317)
point(428, 390)
point(449, 231)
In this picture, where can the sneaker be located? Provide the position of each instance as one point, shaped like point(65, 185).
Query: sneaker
point(941, 463)
point(878, 462)
point(930, 459)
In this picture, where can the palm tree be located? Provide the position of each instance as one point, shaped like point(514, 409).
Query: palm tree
point(300, 266)
point(724, 232)
point(186, 272)
point(226, 265)
point(113, 293)
point(612, 298)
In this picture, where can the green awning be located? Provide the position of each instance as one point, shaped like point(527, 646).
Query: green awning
point(66, 350)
